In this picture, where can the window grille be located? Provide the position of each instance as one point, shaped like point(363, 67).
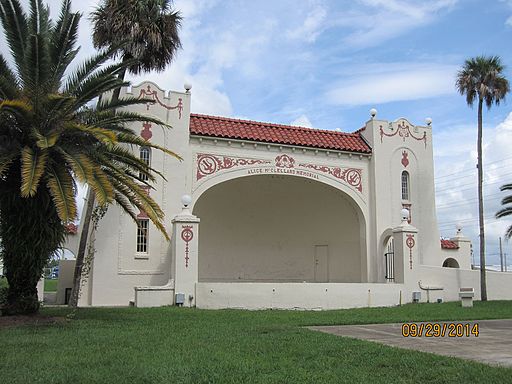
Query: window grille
point(142, 235)
point(405, 185)
point(145, 156)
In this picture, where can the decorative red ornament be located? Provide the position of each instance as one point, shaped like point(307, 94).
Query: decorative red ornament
point(285, 161)
point(71, 229)
point(410, 242)
point(352, 176)
point(209, 164)
point(187, 235)
point(403, 131)
point(405, 160)
point(154, 95)
point(146, 133)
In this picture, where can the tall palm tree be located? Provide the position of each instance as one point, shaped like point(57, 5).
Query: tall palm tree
point(507, 209)
point(50, 137)
point(481, 78)
point(144, 33)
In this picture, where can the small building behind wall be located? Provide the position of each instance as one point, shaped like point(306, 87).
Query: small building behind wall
point(277, 216)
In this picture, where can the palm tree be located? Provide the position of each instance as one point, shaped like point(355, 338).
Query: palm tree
point(482, 78)
point(506, 210)
point(145, 34)
point(50, 138)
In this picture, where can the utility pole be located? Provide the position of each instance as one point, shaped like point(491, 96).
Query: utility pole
point(501, 256)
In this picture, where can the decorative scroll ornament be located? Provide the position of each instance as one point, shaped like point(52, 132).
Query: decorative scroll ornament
point(209, 164)
point(404, 131)
point(405, 159)
point(410, 242)
point(351, 176)
point(145, 93)
point(187, 235)
point(285, 161)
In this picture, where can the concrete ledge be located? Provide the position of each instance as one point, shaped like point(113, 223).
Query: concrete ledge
point(154, 296)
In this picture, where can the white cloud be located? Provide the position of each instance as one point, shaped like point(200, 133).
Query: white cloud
point(392, 82)
point(311, 27)
point(302, 121)
point(376, 21)
point(456, 181)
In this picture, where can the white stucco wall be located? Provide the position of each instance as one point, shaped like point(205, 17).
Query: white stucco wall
point(261, 220)
point(268, 228)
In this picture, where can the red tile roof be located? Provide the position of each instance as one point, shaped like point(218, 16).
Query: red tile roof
point(448, 244)
point(228, 128)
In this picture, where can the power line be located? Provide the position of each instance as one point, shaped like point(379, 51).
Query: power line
point(466, 201)
point(485, 165)
point(457, 187)
point(472, 174)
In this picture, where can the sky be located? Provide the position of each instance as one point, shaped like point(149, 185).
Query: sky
point(325, 64)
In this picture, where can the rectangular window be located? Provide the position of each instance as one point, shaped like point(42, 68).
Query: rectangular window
point(405, 186)
point(142, 235)
point(145, 156)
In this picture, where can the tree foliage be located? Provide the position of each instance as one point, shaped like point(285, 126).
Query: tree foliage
point(51, 137)
point(481, 79)
point(507, 208)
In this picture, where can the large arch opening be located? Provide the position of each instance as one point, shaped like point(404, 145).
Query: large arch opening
point(273, 228)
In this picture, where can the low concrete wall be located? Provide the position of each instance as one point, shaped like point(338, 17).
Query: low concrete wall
point(146, 297)
point(296, 295)
point(499, 284)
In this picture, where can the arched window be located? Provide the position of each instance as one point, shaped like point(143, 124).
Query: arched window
point(145, 156)
point(450, 263)
point(405, 185)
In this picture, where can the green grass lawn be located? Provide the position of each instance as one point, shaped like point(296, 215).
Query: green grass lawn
point(178, 345)
point(50, 285)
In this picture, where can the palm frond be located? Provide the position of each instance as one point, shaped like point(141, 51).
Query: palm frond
point(118, 155)
point(33, 165)
point(85, 70)
point(15, 26)
point(507, 211)
point(506, 200)
point(100, 134)
point(130, 139)
point(18, 108)
point(62, 188)
point(82, 166)
point(8, 81)
point(125, 204)
point(139, 198)
point(62, 41)
point(101, 186)
point(37, 67)
point(6, 161)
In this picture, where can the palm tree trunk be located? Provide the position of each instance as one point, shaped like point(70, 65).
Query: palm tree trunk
point(86, 223)
point(80, 257)
point(483, 283)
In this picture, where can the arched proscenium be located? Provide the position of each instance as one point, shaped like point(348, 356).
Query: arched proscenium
point(273, 228)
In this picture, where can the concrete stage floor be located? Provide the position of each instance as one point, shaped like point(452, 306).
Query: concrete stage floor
point(492, 346)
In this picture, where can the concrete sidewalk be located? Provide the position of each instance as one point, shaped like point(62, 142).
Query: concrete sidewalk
point(492, 346)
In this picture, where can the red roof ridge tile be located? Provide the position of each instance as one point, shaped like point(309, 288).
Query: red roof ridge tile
point(266, 124)
point(449, 244)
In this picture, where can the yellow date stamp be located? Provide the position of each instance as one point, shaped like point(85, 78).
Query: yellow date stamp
point(440, 329)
